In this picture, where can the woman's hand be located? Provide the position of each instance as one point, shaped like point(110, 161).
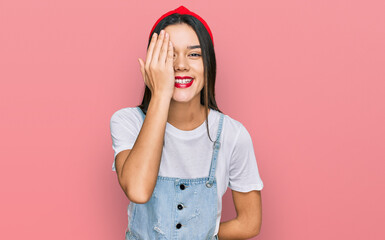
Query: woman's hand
point(158, 70)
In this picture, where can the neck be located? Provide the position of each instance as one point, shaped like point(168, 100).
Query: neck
point(186, 116)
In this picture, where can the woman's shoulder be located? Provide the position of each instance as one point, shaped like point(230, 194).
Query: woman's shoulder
point(231, 124)
point(235, 130)
point(125, 114)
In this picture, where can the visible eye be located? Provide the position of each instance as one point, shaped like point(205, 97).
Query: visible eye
point(196, 54)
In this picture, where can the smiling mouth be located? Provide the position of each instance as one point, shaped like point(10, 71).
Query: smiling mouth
point(183, 83)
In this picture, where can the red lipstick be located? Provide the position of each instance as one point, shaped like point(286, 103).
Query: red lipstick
point(183, 85)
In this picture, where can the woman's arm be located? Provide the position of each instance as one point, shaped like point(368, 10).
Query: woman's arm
point(138, 170)
point(248, 222)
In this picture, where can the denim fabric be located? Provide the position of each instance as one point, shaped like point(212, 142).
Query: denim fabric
point(179, 208)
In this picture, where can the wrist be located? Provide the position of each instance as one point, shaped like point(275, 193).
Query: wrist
point(162, 97)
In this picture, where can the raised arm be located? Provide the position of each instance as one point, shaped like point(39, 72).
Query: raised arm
point(138, 168)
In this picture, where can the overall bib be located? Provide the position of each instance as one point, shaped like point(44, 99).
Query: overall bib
point(179, 208)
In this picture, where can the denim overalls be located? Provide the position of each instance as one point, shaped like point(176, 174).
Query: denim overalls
point(179, 209)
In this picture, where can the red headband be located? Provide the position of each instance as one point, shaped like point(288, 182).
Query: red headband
point(183, 10)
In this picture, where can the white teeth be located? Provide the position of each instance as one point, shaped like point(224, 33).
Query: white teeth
point(183, 80)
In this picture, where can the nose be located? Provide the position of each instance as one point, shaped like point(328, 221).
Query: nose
point(180, 63)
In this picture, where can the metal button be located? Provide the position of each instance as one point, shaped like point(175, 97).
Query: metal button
point(182, 186)
point(180, 206)
point(178, 225)
point(209, 185)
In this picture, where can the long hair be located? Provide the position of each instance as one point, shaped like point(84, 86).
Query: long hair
point(207, 96)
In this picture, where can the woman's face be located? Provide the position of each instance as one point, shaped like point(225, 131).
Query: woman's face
point(188, 62)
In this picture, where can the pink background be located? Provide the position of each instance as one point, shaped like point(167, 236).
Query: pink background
point(306, 78)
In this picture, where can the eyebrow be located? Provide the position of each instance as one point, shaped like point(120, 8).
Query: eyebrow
point(190, 47)
point(193, 46)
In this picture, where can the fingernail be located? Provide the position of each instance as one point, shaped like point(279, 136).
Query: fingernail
point(162, 31)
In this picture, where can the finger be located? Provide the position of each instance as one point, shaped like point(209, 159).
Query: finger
point(141, 66)
point(170, 54)
point(151, 49)
point(155, 54)
point(163, 51)
point(142, 70)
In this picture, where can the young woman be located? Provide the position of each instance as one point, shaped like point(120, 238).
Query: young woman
point(176, 153)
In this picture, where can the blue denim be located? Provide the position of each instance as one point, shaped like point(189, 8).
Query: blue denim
point(179, 208)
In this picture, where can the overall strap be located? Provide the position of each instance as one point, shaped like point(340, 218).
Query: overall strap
point(216, 147)
point(141, 112)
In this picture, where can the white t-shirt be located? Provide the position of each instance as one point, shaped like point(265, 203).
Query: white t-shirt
point(187, 154)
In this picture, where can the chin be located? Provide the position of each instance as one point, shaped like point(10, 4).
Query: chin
point(181, 99)
point(185, 95)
